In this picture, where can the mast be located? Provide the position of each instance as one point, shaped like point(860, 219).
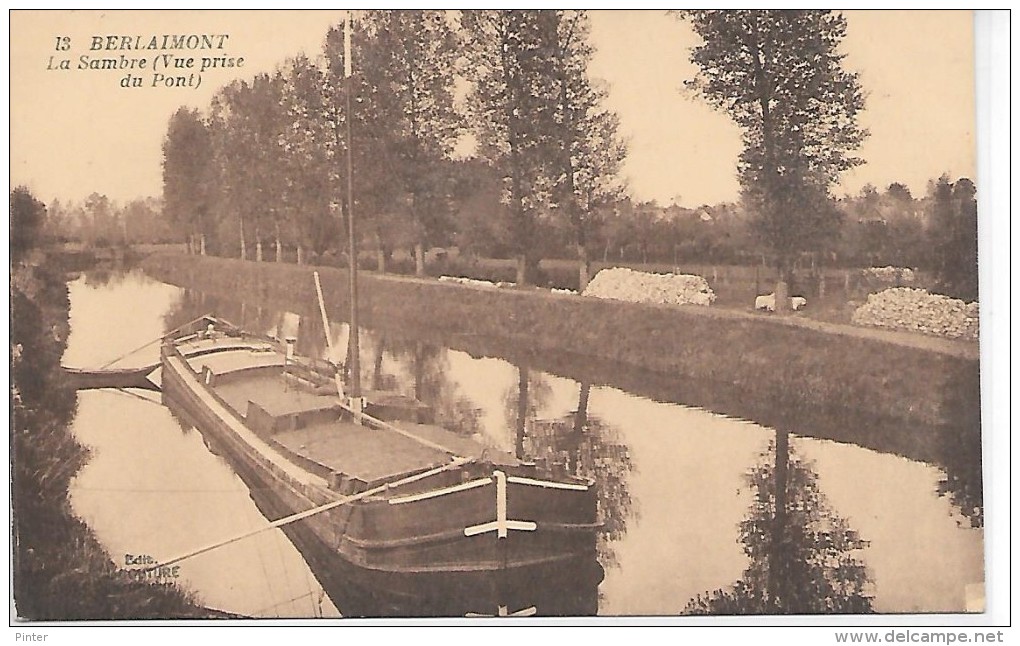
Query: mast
point(353, 349)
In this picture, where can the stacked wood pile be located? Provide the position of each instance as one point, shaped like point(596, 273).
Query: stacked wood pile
point(891, 275)
point(905, 308)
point(623, 284)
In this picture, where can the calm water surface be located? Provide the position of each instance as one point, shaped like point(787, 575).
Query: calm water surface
point(688, 496)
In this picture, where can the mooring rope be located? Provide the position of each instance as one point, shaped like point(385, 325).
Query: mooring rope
point(314, 511)
point(156, 340)
point(128, 393)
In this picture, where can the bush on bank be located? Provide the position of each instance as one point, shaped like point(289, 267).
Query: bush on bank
point(61, 572)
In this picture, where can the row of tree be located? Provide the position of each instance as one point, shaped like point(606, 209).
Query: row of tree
point(936, 232)
point(98, 221)
point(265, 161)
point(264, 164)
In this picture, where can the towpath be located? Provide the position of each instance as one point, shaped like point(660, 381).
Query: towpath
point(963, 349)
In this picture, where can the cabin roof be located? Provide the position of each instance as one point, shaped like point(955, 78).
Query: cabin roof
point(272, 394)
point(367, 454)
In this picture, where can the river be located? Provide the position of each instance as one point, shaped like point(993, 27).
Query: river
point(688, 496)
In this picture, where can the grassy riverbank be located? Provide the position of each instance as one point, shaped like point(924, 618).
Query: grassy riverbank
point(61, 572)
point(795, 369)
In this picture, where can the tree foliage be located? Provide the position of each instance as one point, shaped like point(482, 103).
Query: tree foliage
point(586, 132)
point(247, 124)
point(510, 109)
point(27, 217)
point(953, 223)
point(406, 90)
point(540, 119)
point(187, 173)
point(779, 76)
point(309, 157)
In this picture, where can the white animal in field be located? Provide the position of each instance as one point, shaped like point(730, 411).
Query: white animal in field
point(768, 302)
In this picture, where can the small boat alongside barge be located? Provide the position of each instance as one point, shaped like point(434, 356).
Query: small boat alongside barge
point(405, 503)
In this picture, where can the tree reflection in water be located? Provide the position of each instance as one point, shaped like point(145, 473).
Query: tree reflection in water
point(189, 306)
point(429, 382)
point(583, 445)
point(99, 277)
point(804, 559)
point(521, 403)
point(958, 444)
point(192, 304)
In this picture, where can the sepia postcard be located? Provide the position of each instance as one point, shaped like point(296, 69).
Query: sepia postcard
point(497, 316)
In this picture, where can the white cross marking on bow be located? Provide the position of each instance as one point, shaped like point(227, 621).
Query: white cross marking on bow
point(501, 525)
point(530, 611)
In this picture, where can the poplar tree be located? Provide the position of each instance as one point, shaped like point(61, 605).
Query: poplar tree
point(246, 122)
point(237, 198)
point(310, 180)
point(188, 175)
point(779, 75)
point(585, 133)
point(406, 70)
point(510, 109)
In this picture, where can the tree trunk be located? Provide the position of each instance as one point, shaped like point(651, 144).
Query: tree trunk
point(258, 251)
point(522, 410)
point(201, 243)
point(782, 295)
point(419, 258)
point(584, 268)
point(778, 558)
point(244, 250)
point(300, 255)
point(580, 423)
point(377, 367)
point(782, 292)
point(522, 270)
point(380, 255)
point(419, 376)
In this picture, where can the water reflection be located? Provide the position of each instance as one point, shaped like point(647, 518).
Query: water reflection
point(152, 487)
point(705, 485)
point(804, 558)
point(422, 370)
point(566, 590)
point(959, 446)
point(579, 443)
point(954, 447)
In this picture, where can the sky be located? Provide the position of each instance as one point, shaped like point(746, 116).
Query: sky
point(78, 131)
